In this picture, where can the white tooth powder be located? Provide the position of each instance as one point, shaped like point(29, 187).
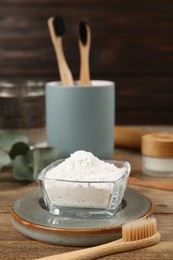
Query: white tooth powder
point(81, 166)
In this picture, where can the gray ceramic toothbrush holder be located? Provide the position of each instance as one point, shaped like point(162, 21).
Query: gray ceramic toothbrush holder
point(81, 118)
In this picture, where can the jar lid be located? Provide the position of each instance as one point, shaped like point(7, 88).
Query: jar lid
point(157, 145)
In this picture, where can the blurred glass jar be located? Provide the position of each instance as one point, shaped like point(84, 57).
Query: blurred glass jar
point(22, 104)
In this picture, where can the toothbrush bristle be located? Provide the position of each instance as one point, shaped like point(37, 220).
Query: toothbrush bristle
point(83, 32)
point(59, 25)
point(139, 229)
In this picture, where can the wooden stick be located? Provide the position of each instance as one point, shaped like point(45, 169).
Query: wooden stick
point(128, 137)
point(151, 184)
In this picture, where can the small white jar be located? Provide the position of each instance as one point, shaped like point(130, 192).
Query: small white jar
point(157, 154)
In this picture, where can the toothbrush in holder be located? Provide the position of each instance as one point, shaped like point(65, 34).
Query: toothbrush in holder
point(56, 30)
point(84, 47)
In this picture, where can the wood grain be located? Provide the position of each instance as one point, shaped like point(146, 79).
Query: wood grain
point(131, 45)
point(14, 245)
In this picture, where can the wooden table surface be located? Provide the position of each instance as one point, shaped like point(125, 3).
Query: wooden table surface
point(14, 245)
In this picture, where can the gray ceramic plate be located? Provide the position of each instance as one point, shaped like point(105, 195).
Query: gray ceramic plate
point(32, 219)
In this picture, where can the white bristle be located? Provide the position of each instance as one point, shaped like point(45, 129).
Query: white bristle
point(139, 229)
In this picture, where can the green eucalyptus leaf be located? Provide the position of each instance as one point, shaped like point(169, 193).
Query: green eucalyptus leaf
point(23, 167)
point(4, 159)
point(19, 148)
point(43, 157)
point(9, 137)
point(28, 166)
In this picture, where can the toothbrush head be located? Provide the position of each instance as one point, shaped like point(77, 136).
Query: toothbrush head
point(58, 24)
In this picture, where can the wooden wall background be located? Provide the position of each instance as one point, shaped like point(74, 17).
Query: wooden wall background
point(132, 44)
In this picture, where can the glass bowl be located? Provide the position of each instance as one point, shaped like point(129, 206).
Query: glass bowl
point(80, 198)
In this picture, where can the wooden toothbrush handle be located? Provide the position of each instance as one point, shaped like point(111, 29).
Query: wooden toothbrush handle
point(105, 249)
point(151, 184)
point(65, 73)
point(84, 67)
point(84, 60)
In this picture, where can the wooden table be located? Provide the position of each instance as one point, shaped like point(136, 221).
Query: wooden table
point(14, 245)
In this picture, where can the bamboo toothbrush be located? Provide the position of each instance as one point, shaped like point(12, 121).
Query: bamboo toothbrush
point(154, 184)
point(135, 235)
point(84, 47)
point(57, 29)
